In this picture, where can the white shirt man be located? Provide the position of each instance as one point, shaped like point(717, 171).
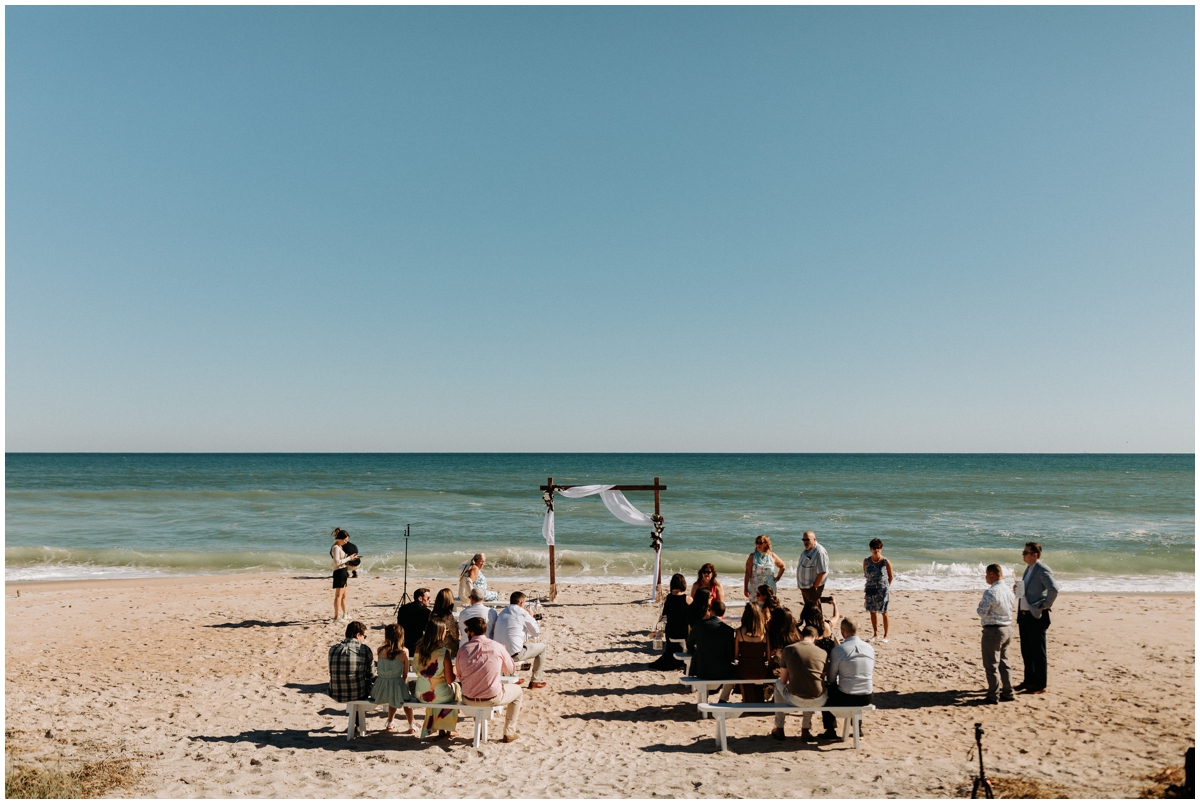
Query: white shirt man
point(512, 629)
point(996, 616)
point(812, 569)
point(477, 609)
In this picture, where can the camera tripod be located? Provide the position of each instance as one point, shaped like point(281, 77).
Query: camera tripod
point(404, 597)
point(981, 780)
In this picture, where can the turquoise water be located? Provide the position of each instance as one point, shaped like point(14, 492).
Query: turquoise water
point(1107, 522)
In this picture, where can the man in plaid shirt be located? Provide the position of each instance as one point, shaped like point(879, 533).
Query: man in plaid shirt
point(350, 663)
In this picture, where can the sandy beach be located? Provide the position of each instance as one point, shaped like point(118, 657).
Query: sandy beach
point(215, 687)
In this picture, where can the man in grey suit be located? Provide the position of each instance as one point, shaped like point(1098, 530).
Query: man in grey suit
point(1033, 618)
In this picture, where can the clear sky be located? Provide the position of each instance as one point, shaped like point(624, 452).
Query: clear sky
point(600, 229)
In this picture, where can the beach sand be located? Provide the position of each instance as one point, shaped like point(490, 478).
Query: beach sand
point(215, 687)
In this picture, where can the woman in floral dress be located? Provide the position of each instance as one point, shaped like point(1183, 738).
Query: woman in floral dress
point(435, 681)
point(763, 567)
point(879, 580)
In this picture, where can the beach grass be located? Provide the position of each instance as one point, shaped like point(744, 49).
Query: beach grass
point(1161, 780)
point(1017, 787)
point(60, 780)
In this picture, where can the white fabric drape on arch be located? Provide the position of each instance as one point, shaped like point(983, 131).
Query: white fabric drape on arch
point(616, 503)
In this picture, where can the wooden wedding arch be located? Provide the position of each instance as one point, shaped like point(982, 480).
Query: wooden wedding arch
point(657, 488)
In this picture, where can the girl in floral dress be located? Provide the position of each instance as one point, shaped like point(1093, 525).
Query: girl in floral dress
point(435, 681)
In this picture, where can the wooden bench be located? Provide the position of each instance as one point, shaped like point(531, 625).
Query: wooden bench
point(701, 685)
point(721, 711)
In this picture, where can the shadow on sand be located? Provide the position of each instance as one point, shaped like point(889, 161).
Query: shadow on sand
point(924, 700)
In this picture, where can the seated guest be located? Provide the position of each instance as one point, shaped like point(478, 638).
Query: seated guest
point(827, 634)
point(513, 626)
point(481, 662)
point(698, 608)
point(443, 611)
point(350, 661)
point(675, 612)
point(413, 617)
point(848, 676)
point(781, 628)
point(711, 644)
point(707, 579)
point(470, 576)
point(752, 650)
point(801, 680)
point(436, 680)
point(391, 685)
point(766, 600)
point(477, 609)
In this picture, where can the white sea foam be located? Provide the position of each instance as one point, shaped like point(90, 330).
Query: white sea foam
point(78, 572)
point(948, 577)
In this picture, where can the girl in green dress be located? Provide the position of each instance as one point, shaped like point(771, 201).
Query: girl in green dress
point(391, 685)
point(435, 680)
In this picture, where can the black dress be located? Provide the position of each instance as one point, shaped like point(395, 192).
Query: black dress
point(677, 613)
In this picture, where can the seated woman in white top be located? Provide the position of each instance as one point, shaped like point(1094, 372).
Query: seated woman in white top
point(470, 577)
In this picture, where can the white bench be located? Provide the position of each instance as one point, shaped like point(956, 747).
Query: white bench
point(682, 654)
point(701, 686)
point(721, 711)
point(357, 711)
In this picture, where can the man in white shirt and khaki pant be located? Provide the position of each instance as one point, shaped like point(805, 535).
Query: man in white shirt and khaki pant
point(995, 615)
point(511, 629)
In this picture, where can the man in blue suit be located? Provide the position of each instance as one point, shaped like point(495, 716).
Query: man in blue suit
point(1033, 618)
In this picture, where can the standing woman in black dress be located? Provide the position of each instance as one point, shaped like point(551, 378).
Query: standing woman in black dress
point(341, 575)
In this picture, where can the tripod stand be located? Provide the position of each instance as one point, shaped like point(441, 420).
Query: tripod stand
point(981, 780)
point(404, 597)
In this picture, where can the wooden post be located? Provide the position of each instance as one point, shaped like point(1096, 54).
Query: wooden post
point(658, 550)
point(553, 585)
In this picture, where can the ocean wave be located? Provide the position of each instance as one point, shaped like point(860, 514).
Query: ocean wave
point(525, 565)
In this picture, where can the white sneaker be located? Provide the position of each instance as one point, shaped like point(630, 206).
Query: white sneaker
point(884, 640)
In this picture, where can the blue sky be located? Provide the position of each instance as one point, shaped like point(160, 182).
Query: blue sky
point(600, 229)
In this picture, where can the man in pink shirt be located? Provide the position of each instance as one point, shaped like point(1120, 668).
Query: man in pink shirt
point(479, 664)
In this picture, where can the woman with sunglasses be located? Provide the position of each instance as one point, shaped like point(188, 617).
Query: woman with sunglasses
point(763, 567)
point(707, 579)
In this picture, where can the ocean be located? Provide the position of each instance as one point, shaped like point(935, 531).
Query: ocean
point(1107, 523)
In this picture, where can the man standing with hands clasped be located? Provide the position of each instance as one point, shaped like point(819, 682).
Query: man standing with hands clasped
point(811, 569)
point(995, 615)
point(1036, 593)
